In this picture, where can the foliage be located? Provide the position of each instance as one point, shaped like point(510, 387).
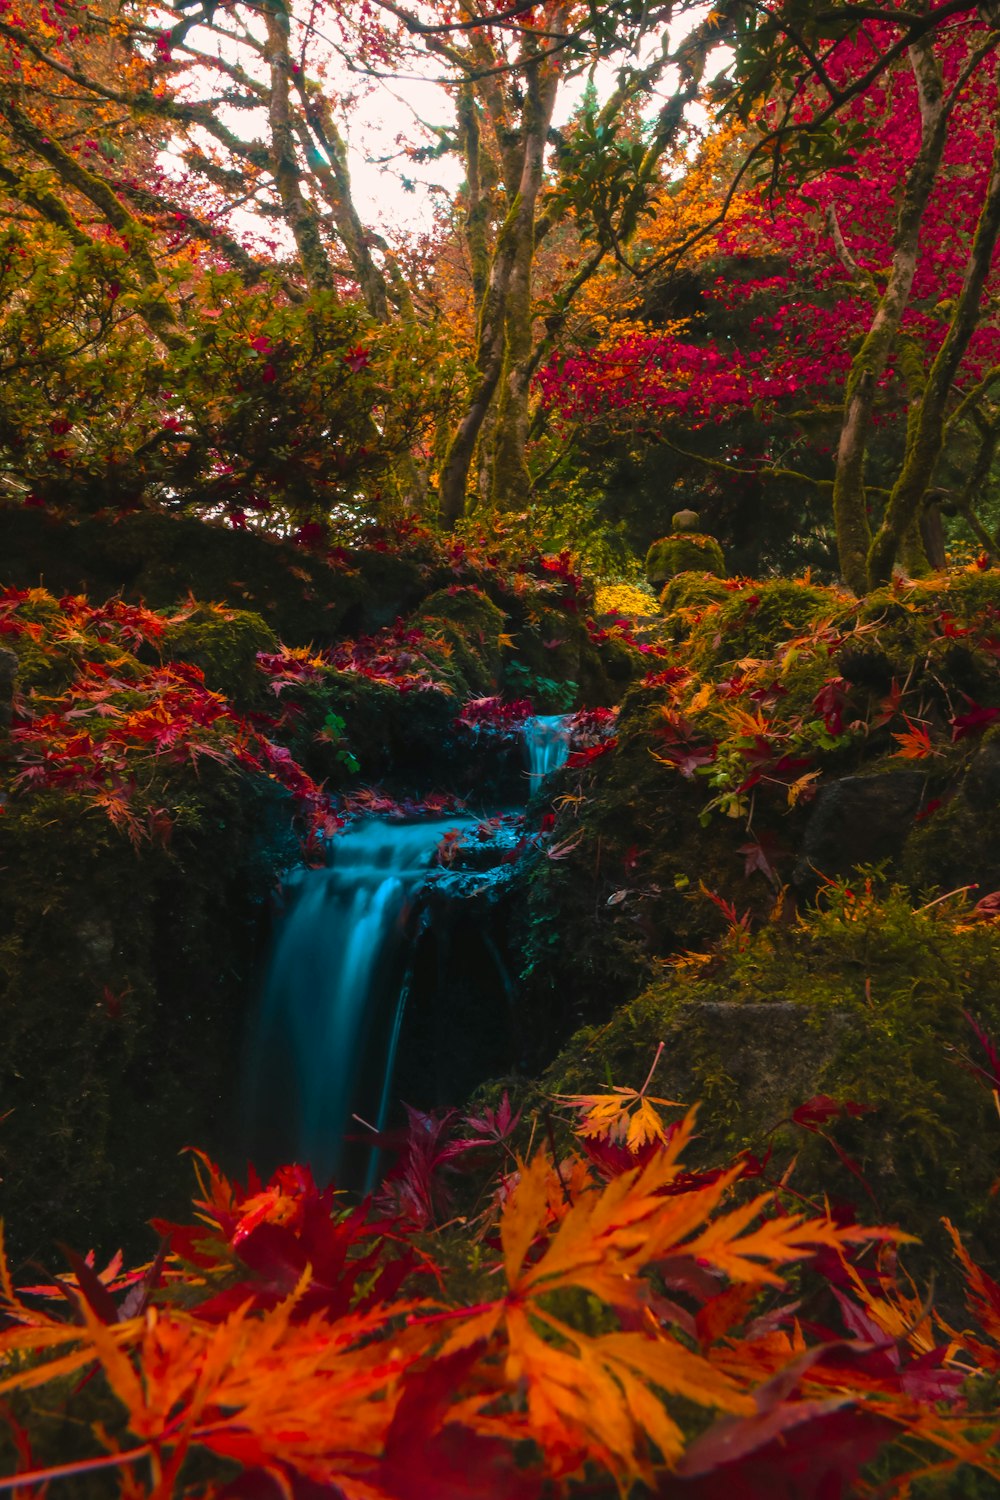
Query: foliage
point(94, 718)
point(864, 996)
point(153, 132)
point(828, 290)
point(105, 417)
point(615, 1315)
point(624, 599)
point(763, 752)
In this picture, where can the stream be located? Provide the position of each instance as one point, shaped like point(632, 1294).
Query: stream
point(384, 939)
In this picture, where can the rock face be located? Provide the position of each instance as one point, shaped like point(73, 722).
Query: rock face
point(858, 820)
point(844, 1026)
point(134, 891)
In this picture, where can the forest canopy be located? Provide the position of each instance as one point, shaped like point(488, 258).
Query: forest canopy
point(742, 252)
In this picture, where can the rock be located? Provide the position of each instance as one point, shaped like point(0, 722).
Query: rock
point(8, 671)
point(223, 643)
point(858, 820)
point(772, 1055)
point(685, 520)
point(684, 552)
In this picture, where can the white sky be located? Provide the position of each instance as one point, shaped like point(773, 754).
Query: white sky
point(389, 111)
point(380, 196)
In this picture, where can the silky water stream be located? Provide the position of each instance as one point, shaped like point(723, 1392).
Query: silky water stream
point(351, 944)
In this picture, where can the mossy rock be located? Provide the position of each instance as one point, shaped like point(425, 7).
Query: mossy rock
point(865, 1001)
point(644, 832)
point(470, 625)
point(683, 552)
point(627, 893)
point(927, 631)
point(958, 842)
point(751, 622)
point(687, 594)
point(399, 737)
point(123, 975)
point(556, 645)
point(224, 644)
point(161, 560)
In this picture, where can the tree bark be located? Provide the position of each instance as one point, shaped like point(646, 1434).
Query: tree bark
point(849, 506)
point(925, 440)
point(298, 211)
point(510, 469)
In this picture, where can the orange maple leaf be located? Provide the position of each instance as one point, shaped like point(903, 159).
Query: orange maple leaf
point(914, 742)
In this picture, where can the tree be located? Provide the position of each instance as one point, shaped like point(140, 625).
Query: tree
point(252, 102)
point(884, 246)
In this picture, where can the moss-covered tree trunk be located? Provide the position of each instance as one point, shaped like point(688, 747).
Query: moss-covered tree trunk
point(298, 211)
point(510, 469)
point(925, 434)
point(503, 345)
point(849, 503)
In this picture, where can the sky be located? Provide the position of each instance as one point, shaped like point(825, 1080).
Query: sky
point(392, 193)
point(380, 194)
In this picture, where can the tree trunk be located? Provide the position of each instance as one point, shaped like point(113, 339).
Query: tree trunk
point(849, 505)
point(924, 443)
point(506, 311)
point(297, 209)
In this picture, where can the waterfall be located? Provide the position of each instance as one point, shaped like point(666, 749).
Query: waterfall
point(354, 939)
point(546, 739)
point(334, 988)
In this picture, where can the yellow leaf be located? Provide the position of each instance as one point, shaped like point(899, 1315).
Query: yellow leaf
point(703, 698)
point(800, 786)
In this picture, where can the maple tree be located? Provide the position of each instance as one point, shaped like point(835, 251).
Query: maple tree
point(875, 231)
point(151, 132)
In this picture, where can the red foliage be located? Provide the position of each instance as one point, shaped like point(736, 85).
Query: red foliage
point(319, 1345)
point(119, 723)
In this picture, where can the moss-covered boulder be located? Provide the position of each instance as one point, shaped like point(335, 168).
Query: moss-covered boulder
point(142, 825)
point(123, 979)
point(306, 596)
point(470, 628)
point(864, 1000)
point(224, 644)
point(683, 552)
point(794, 735)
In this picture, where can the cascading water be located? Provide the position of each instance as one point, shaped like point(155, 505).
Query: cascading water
point(342, 971)
point(546, 740)
point(333, 984)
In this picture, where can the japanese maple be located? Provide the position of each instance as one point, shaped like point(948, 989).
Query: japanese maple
point(832, 242)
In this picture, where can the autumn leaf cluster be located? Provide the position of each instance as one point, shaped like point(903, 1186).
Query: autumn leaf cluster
point(613, 1296)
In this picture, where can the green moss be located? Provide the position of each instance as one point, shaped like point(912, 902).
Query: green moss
point(863, 1000)
point(684, 552)
point(753, 621)
point(691, 592)
point(470, 625)
point(123, 974)
point(777, 710)
point(162, 560)
point(224, 644)
point(547, 694)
